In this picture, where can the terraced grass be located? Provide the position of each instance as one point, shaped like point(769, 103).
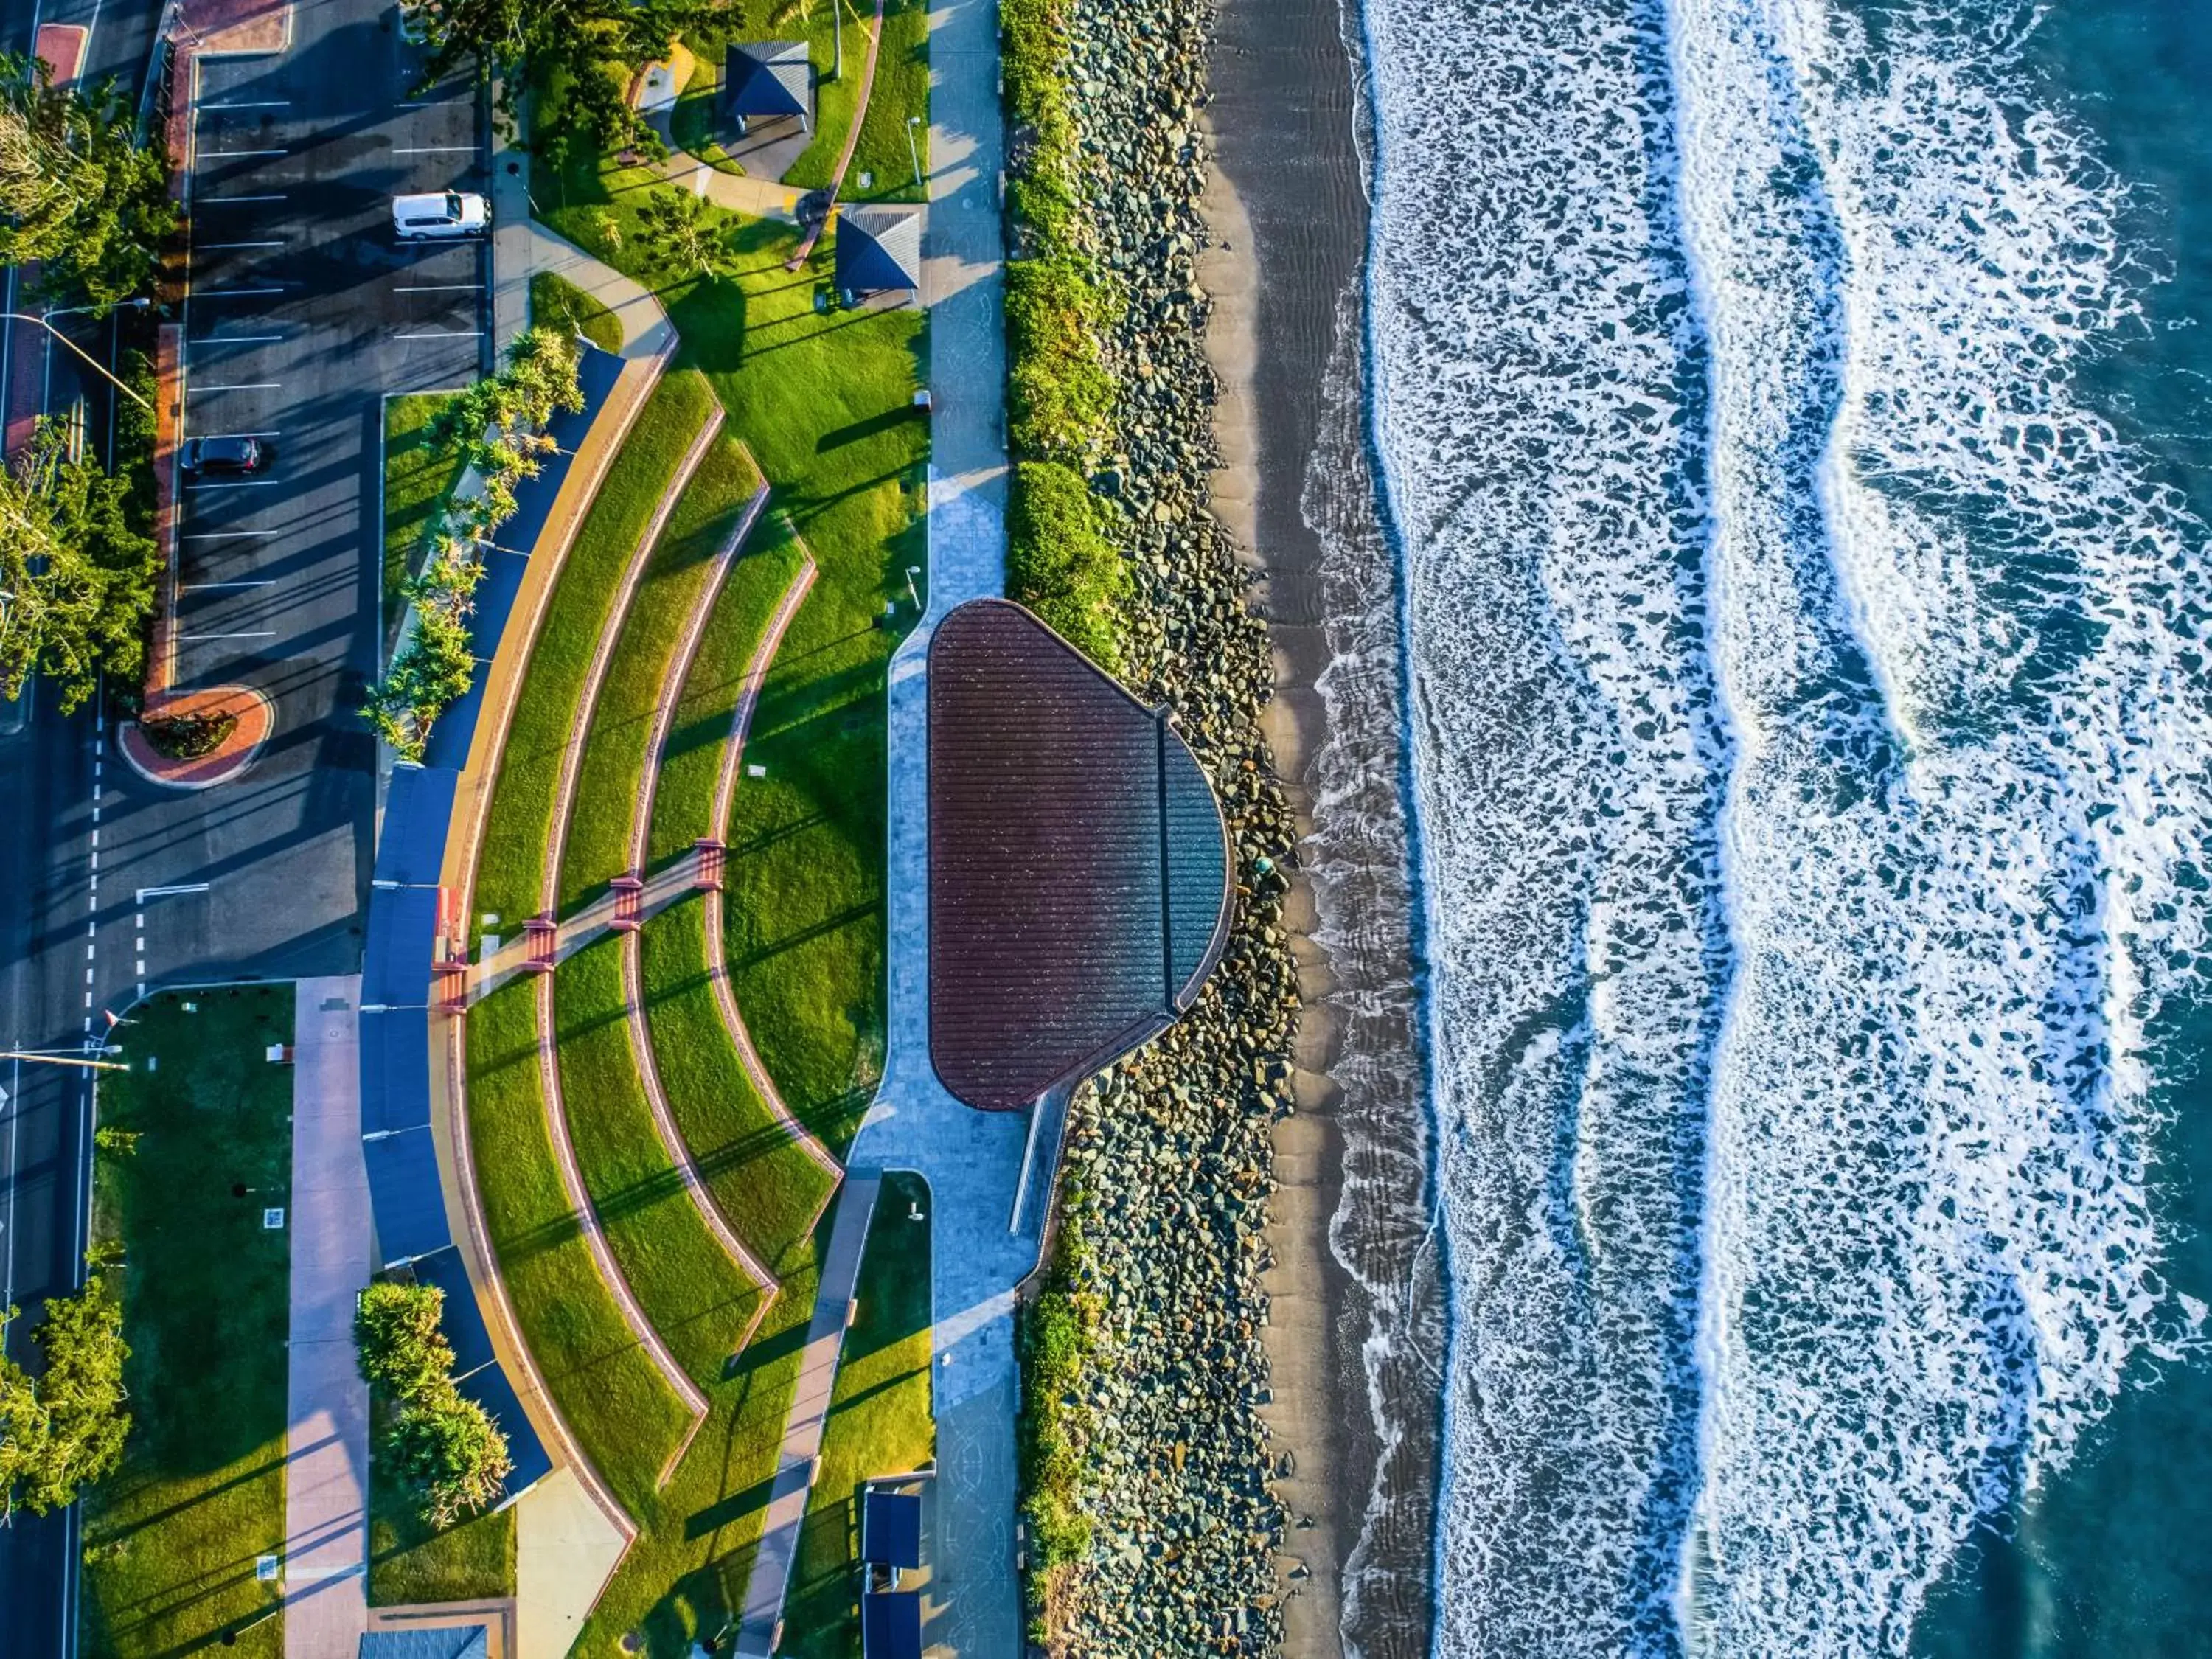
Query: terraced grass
point(418, 481)
point(171, 1538)
point(823, 397)
point(556, 302)
point(880, 1422)
point(697, 1298)
point(683, 799)
point(623, 1413)
point(676, 577)
point(511, 869)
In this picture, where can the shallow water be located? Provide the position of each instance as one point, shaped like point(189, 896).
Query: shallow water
point(1793, 444)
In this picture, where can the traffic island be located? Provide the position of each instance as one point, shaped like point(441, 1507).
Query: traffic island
point(197, 739)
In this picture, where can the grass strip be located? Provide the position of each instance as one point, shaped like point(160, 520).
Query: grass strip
point(511, 870)
point(698, 1300)
point(879, 1422)
point(556, 302)
point(766, 1185)
point(623, 1413)
point(411, 1562)
point(171, 1538)
point(902, 89)
point(675, 581)
point(419, 480)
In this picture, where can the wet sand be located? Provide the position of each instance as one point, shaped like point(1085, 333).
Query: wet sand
point(1350, 1294)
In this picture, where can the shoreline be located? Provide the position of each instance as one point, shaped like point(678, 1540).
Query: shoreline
point(1284, 269)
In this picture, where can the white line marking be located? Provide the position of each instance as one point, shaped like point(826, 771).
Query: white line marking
point(230, 293)
point(235, 339)
point(258, 634)
point(201, 587)
point(209, 247)
point(434, 149)
point(243, 385)
point(443, 334)
point(243, 483)
point(257, 103)
point(217, 201)
point(211, 154)
point(437, 288)
point(145, 893)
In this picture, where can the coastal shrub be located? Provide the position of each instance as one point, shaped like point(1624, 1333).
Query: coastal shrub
point(1059, 563)
point(1060, 1343)
point(1058, 392)
point(1040, 192)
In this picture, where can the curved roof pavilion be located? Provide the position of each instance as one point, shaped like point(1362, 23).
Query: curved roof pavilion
point(1079, 875)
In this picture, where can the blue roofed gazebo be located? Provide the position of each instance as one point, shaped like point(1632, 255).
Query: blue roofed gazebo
point(769, 80)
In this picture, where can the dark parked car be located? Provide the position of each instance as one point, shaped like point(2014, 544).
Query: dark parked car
point(226, 455)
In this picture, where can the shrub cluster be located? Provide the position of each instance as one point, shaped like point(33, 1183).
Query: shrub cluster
point(1060, 1342)
point(445, 1447)
point(1060, 396)
point(188, 735)
point(498, 428)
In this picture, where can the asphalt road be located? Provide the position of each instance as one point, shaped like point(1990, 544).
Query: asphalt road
point(303, 313)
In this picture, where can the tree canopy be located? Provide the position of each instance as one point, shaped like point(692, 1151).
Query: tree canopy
point(78, 193)
point(64, 1429)
point(78, 564)
point(446, 1448)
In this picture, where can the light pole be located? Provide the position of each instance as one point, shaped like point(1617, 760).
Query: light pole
point(912, 122)
point(41, 320)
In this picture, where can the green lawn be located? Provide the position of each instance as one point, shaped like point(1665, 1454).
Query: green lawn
point(880, 1424)
point(556, 302)
point(675, 582)
point(902, 89)
point(171, 1538)
point(697, 1298)
point(408, 1562)
point(511, 873)
point(418, 481)
point(607, 1386)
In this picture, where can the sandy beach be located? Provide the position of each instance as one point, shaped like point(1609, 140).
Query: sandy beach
point(1354, 1404)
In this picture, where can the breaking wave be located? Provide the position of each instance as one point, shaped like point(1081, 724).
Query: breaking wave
point(1810, 748)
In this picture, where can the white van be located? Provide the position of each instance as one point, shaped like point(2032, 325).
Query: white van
point(439, 214)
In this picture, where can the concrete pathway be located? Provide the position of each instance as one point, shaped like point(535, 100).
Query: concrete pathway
point(762, 1619)
point(521, 247)
point(972, 1160)
point(326, 1439)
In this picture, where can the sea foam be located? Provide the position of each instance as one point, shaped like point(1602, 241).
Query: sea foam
point(1810, 756)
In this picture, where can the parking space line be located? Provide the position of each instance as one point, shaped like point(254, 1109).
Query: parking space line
point(258, 103)
point(443, 334)
point(199, 587)
point(241, 484)
point(235, 339)
point(217, 154)
point(437, 288)
point(435, 149)
point(219, 535)
point(218, 201)
point(257, 633)
point(202, 247)
point(231, 293)
point(244, 385)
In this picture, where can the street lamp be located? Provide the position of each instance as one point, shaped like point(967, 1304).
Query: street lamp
point(41, 320)
point(912, 122)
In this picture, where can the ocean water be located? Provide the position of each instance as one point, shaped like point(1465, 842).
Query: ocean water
point(1793, 419)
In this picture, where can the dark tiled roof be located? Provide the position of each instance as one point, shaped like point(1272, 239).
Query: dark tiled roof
point(769, 77)
point(878, 248)
point(1079, 867)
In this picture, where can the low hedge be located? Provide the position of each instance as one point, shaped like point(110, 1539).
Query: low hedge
point(1059, 563)
point(1058, 395)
